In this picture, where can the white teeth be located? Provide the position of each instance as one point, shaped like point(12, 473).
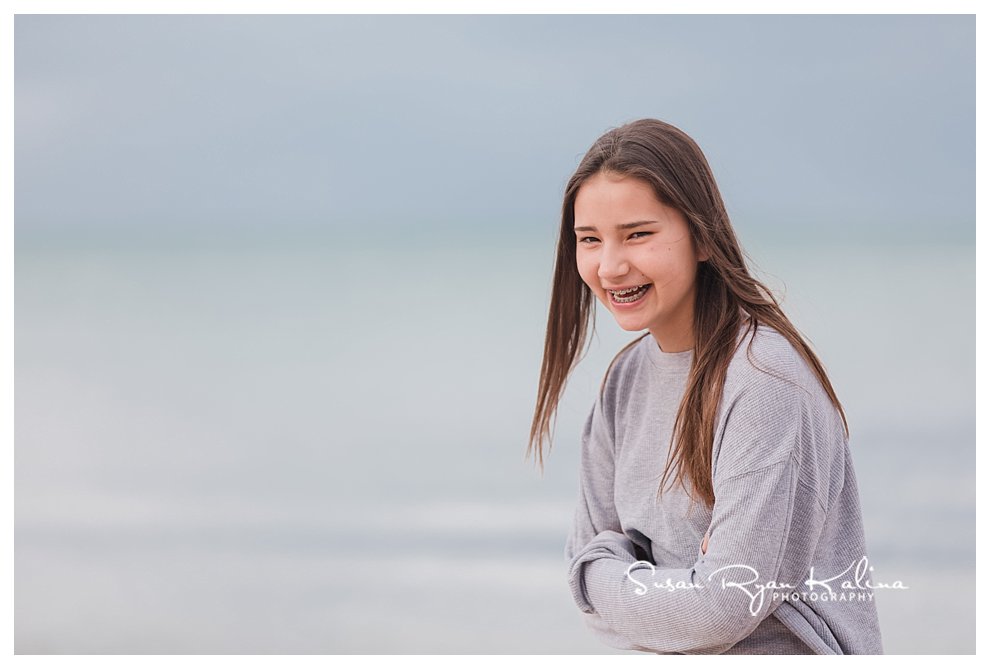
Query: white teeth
point(626, 291)
point(633, 295)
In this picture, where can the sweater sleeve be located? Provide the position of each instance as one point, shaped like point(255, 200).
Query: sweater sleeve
point(764, 530)
point(595, 510)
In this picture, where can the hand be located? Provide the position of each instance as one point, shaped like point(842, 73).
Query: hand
point(704, 544)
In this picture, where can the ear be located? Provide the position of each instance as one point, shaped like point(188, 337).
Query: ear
point(703, 254)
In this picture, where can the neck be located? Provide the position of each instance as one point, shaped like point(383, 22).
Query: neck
point(674, 342)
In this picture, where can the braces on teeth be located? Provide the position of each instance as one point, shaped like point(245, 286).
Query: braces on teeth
point(618, 296)
point(627, 290)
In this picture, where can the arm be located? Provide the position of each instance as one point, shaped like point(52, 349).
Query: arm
point(764, 521)
point(595, 511)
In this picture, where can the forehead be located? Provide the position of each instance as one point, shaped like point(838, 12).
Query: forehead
point(607, 199)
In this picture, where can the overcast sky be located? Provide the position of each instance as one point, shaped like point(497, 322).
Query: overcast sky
point(831, 128)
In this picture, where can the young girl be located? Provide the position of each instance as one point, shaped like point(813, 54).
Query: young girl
point(718, 510)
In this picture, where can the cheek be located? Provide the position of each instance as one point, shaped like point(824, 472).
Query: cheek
point(659, 261)
point(670, 270)
point(587, 269)
point(686, 272)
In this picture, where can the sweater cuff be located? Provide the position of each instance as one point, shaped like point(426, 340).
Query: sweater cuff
point(606, 545)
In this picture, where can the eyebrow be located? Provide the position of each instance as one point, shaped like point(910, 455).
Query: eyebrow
point(621, 226)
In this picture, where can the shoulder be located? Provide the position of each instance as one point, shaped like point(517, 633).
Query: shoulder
point(765, 361)
point(626, 365)
point(624, 379)
point(774, 408)
point(616, 385)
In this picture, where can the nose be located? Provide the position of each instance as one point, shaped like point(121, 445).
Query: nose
point(612, 264)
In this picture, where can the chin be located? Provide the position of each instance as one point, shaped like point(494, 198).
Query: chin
point(629, 325)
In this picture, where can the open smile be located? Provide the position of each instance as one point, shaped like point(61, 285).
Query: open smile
point(629, 295)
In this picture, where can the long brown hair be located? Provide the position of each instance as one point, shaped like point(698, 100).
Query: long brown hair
point(727, 297)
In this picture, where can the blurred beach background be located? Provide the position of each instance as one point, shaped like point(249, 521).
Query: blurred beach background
point(281, 287)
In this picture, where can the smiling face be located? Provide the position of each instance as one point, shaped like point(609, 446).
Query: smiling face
point(627, 239)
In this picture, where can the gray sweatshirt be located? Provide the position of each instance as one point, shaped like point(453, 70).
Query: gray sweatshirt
point(786, 569)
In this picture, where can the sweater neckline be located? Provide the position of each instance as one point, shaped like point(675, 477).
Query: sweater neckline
point(668, 362)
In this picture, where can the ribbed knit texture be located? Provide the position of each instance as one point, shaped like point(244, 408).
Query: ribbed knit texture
point(786, 502)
